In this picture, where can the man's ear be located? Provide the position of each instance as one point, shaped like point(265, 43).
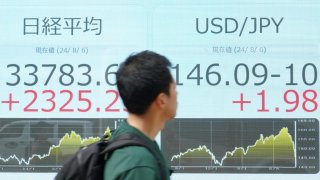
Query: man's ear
point(161, 100)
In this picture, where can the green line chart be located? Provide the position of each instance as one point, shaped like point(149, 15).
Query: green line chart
point(242, 145)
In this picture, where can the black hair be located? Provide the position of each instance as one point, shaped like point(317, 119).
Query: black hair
point(141, 78)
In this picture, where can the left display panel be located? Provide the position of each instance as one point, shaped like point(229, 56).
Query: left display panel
point(57, 80)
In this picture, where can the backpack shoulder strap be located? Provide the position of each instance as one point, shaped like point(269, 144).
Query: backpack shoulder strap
point(131, 139)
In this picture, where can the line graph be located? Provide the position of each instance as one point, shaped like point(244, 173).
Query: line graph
point(242, 145)
point(263, 148)
point(42, 145)
point(67, 146)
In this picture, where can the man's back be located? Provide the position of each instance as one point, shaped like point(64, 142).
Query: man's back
point(134, 162)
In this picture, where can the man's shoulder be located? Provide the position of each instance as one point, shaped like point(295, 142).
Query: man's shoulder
point(127, 159)
point(132, 156)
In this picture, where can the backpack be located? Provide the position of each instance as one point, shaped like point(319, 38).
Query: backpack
point(88, 162)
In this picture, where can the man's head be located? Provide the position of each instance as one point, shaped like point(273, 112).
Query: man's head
point(143, 78)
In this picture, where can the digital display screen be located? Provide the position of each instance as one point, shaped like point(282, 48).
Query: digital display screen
point(246, 74)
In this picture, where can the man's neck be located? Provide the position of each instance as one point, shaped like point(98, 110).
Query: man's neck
point(148, 125)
